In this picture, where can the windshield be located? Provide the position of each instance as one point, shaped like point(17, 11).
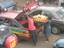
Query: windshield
point(16, 24)
point(60, 13)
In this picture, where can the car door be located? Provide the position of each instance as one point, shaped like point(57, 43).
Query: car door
point(23, 21)
point(17, 28)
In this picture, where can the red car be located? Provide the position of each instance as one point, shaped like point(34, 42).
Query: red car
point(22, 26)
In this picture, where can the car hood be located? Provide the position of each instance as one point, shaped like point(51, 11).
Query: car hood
point(11, 15)
point(59, 19)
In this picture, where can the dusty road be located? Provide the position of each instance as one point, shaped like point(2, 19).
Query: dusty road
point(42, 43)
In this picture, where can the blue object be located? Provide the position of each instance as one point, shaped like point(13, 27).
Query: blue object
point(59, 43)
point(7, 4)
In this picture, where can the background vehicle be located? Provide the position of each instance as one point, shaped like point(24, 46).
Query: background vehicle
point(30, 5)
point(8, 4)
point(55, 14)
point(7, 39)
point(58, 43)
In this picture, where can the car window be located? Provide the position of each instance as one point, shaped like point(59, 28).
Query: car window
point(60, 13)
point(8, 21)
point(1, 20)
point(35, 12)
point(14, 23)
point(4, 20)
point(21, 17)
point(47, 13)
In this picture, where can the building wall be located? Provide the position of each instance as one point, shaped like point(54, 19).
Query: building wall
point(20, 3)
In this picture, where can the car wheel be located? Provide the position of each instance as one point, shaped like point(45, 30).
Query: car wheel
point(11, 41)
point(55, 30)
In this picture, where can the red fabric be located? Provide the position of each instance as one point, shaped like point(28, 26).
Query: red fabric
point(31, 24)
point(23, 21)
point(31, 4)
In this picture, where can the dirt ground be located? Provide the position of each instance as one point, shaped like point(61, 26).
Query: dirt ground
point(42, 43)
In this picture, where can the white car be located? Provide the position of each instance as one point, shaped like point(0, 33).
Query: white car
point(55, 14)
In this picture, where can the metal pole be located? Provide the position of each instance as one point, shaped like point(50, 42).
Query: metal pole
point(59, 3)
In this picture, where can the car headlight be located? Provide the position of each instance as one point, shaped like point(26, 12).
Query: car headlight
point(5, 9)
point(2, 29)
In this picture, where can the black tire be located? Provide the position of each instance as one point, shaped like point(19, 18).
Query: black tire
point(34, 37)
point(55, 30)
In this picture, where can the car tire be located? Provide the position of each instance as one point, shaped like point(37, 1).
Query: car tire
point(11, 41)
point(55, 30)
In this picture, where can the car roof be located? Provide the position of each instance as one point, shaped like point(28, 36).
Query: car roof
point(46, 8)
point(49, 8)
point(11, 15)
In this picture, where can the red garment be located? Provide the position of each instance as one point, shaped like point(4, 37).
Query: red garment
point(23, 21)
point(31, 24)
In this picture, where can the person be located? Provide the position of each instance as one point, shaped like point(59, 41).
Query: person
point(43, 21)
point(32, 29)
point(47, 30)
